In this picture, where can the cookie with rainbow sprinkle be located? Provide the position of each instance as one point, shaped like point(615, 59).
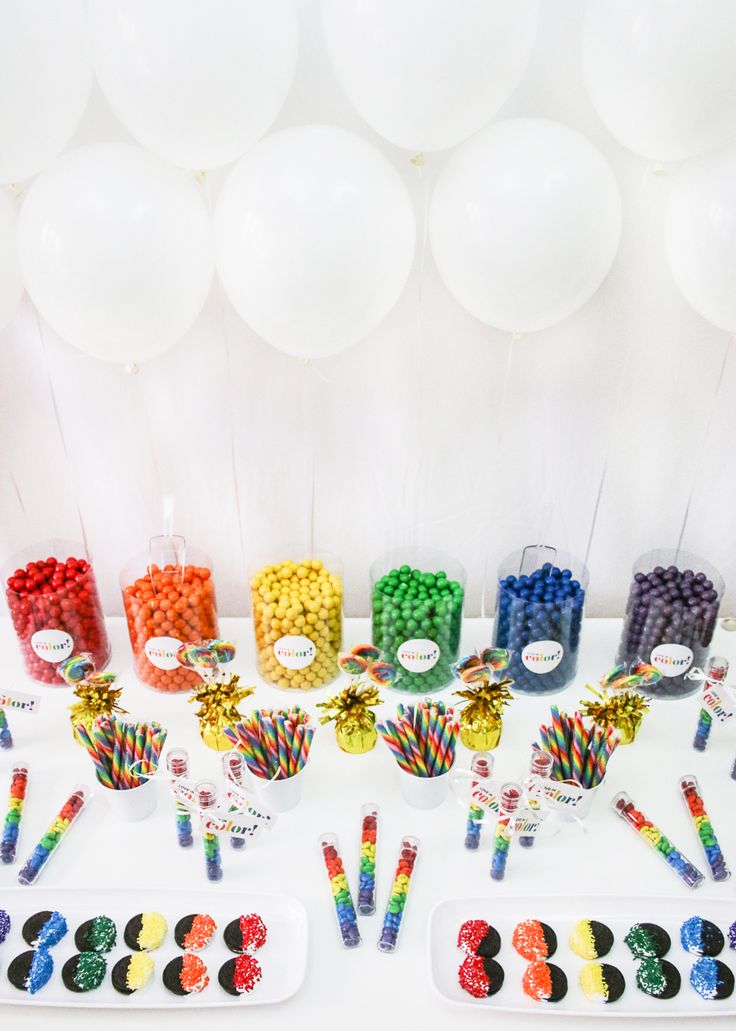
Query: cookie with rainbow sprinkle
point(602, 982)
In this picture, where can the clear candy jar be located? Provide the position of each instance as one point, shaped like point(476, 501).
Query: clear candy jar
point(169, 600)
point(52, 596)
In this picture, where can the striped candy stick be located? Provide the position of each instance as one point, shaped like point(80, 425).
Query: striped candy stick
point(281, 740)
point(407, 730)
point(306, 746)
point(441, 763)
point(559, 735)
point(102, 768)
point(394, 744)
point(577, 747)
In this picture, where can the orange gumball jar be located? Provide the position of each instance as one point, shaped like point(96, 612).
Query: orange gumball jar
point(169, 600)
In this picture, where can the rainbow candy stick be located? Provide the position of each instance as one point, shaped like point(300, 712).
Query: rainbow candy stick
point(6, 738)
point(177, 764)
point(49, 843)
point(561, 738)
point(396, 907)
point(207, 797)
point(577, 747)
point(367, 878)
point(11, 825)
point(508, 803)
point(275, 745)
point(652, 836)
point(719, 871)
point(347, 920)
point(482, 768)
point(423, 740)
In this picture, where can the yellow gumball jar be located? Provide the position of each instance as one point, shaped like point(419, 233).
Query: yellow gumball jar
point(297, 620)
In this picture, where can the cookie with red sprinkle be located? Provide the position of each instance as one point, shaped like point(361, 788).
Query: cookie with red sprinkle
point(480, 976)
point(544, 982)
point(478, 938)
point(246, 933)
point(534, 940)
point(239, 976)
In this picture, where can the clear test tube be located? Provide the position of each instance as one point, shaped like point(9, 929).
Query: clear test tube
point(396, 908)
point(59, 829)
point(715, 673)
point(540, 768)
point(368, 847)
point(695, 806)
point(347, 921)
point(11, 826)
point(207, 798)
point(652, 836)
point(482, 769)
point(508, 802)
point(177, 764)
point(232, 767)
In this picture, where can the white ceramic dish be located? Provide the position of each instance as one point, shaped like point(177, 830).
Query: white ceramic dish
point(282, 959)
point(562, 913)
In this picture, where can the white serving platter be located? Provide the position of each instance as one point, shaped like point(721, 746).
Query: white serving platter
point(282, 959)
point(562, 913)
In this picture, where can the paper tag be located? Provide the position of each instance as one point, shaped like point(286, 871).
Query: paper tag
point(418, 655)
point(52, 645)
point(562, 796)
point(484, 795)
point(529, 822)
point(542, 656)
point(161, 652)
point(718, 705)
point(294, 652)
point(20, 701)
point(671, 659)
point(235, 815)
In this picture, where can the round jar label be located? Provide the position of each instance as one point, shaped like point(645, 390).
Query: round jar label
point(418, 655)
point(161, 652)
point(542, 656)
point(294, 652)
point(52, 645)
point(672, 659)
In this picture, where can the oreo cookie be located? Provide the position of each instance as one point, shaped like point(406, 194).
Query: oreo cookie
point(534, 940)
point(480, 976)
point(478, 938)
point(590, 939)
point(31, 970)
point(648, 941)
point(132, 973)
point(96, 935)
point(5, 925)
point(186, 975)
point(239, 976)
point(544, 982)
point(602, 982)
point(44, 930)
point(658, 978)
point(193, 933)
point(84, 972)
point(245, 933)
point(701, 937)
point(145, 932)
point(711, 979)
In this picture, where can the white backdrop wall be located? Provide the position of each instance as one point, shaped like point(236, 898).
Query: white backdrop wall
point(434, 430)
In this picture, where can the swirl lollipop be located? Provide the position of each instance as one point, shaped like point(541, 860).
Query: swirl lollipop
point(383, 674)
point(76, 669)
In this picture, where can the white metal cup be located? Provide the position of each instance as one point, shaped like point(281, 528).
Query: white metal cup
point(423, 792)
point(132, 804)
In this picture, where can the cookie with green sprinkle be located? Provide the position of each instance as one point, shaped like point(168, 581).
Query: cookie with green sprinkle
point(84, 972)
point(96, 935)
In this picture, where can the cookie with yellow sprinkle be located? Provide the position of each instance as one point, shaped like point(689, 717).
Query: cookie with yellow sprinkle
point(590, 939)
point(602, 982)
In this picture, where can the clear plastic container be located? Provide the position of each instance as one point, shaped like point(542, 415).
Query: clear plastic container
point(58, 830)
point(297, 619)
point(169, 600)
point(540, 603)
point(55, 608)
point(671, 613)
point(417, 599)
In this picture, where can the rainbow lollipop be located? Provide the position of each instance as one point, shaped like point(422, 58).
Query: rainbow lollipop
point(197, 657)
point(76, 668)
point(352, 664)
point(224, 651)
point(383, 674)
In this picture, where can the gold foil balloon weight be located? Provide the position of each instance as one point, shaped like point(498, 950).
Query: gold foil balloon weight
point(619, 703)
point(355, 724)
point(481, 719)
point(96, 692)
point(217, 698)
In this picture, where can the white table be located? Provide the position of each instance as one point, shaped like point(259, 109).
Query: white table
point(364, 988)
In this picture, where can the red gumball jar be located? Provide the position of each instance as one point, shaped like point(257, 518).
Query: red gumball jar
point(169, 600)
point(55, 608)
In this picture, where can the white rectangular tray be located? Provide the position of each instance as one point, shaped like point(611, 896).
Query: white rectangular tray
point(283, 958)
point(562, 913)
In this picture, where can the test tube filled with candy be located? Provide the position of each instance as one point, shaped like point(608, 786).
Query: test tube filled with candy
point(297, 620)
point(396, 908)
point(57, 831)
point(207, 798)
point(715, 673)
point(347, 921)
point(368, 844)
point(10, 830)
point(508, 803)
point(482, 769)
point(652, 836)
point(55, 608)
point(540, 768)
point(177, 764)
point(670, 617)
point(6, 738)
point(232, 767)
point(417, 609)
point(540, 602)
point(169, 600)
point(695, 805)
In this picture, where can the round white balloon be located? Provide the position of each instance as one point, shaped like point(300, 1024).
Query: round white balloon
point(45, 81)
point(662, 74)
point(197, 83)
point(314, 236)
point(11, 284)
point(116, 251)
point(700, 236)
point(428, 75)
point(525, 223)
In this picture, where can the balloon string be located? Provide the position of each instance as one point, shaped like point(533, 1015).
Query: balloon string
point(703, 443)
point(62, 436)
point(422, 172)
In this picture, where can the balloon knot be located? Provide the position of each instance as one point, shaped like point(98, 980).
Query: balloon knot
point(418, 160)
point(201, 175)
point(16, 189)
point(659, 169)
point(303, 361)
point(517, 335)
point(132, 368)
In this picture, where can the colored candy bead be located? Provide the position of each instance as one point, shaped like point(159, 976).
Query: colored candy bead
point(540, 768)
point(346, 917)
point(177, 764)
point(719, 871)
point(50, 841)
point(538, 619)
point(669, 607)
point(297, 619)
point(655, 839)
point(367, 879)
point(6, 738)
point(207, 797)
point(481, 767)
point(399, 893)
point(56, 611)
point(14, 815)
point(232, 767)
point(508, 804)
point(416, 622)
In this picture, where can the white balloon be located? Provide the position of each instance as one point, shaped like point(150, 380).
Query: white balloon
point(314, 238)
point(524, 224)
point(428, 75)
point(45, 81)
point(700, 236)
point(662, 73)
point(11, 284)
point(116, 251)
point(195, 82)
